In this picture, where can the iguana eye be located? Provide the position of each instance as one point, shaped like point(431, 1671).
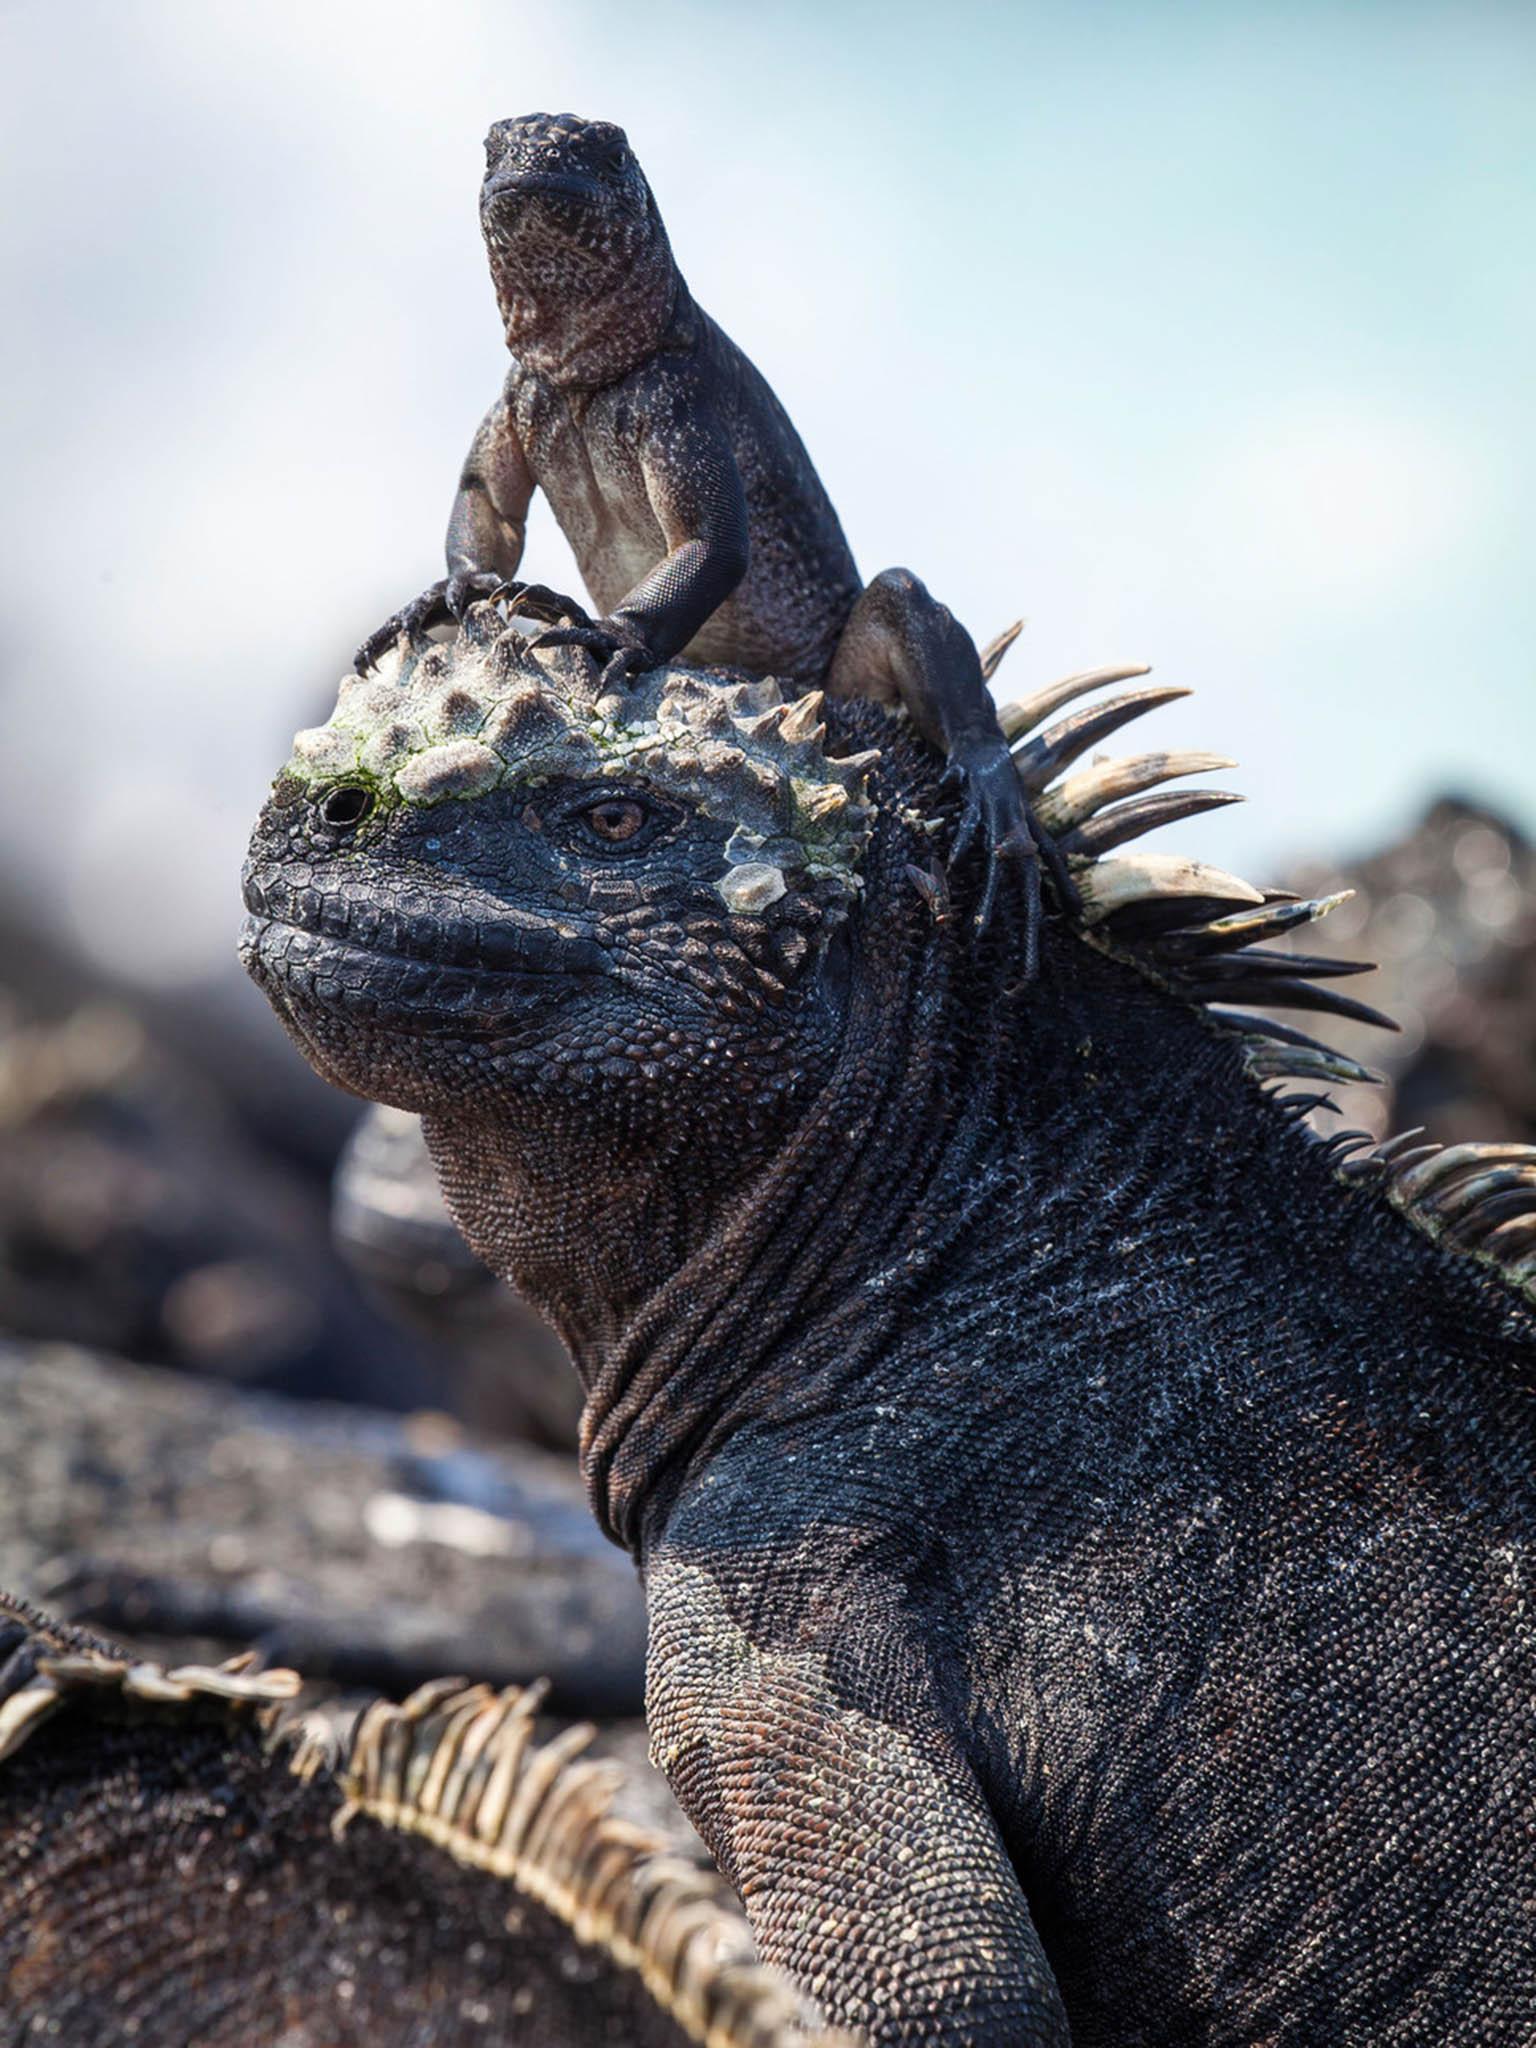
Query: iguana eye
point(348, 804)
point(610, 821)
point(617, 818)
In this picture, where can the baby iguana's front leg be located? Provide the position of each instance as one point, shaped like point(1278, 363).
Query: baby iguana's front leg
point(695, 495)
point(858, 1838)
point(901, 644)
point(486, 530)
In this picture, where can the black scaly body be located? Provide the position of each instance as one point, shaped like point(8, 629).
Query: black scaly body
point(1086, 1531)
point(695, 514)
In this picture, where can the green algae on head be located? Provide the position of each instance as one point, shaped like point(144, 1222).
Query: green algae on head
point(490, 709)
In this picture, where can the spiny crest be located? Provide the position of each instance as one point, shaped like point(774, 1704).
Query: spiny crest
point(458, 1765)
point(61, 1674)
point(1478, 1198)
point(451, 719)
point(1200, 932)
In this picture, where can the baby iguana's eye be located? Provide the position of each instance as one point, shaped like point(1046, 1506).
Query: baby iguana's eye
point(347, 804)
point(617, 819)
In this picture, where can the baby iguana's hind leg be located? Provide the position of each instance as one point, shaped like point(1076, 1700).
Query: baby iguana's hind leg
point(901, 645)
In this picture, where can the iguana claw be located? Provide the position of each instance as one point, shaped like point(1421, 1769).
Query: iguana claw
point(621, 658)
point(449, 598)
point(996, 815)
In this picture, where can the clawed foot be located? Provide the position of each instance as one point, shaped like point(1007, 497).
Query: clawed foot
point(450, 598)
point(996, 817)
point(446, 600)
point(621, 655)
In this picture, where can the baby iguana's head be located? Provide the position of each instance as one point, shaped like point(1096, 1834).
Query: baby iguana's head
point(481, 879)
point(579, 257)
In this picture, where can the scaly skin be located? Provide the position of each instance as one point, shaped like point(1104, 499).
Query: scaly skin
point(188, 1856)
point(697, 519)
point(1086, 1542)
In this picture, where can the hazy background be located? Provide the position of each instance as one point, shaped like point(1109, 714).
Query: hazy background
point(1198, 333)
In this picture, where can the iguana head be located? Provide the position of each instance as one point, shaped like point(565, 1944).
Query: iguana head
point(704, 1038)
point(583, 271)
point(483, 880)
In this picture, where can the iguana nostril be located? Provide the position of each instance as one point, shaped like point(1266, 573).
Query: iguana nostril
point(347, 805)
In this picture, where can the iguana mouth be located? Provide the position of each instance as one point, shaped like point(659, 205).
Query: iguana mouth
point(504, 193)
point(471, 971)
point(479, 935)
point(413, 996)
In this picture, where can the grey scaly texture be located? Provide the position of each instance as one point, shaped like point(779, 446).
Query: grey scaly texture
point(1085, 1520)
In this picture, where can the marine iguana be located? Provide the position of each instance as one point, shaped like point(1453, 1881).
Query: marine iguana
point(696, 517)
point(201, 1855)
point(1085, 1519)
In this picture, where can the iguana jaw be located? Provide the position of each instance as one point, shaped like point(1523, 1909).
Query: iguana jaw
point(456, 990)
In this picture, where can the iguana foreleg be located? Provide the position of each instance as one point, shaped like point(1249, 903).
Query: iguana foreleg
point(486, 532)
point(859, 1840)
point(901, 645)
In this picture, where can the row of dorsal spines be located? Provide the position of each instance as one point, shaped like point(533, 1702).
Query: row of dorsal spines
point(460, 1766)
point(1202, 932)
point(1473, 1198)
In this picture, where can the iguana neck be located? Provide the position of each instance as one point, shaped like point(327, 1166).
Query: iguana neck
point(694, 1300)
point(582, 341)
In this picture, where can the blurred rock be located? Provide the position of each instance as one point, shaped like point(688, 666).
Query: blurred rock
point(1449, 913)
point(513, 1377)
point(217, 1029)
point(363, 1547)
point(135, 1215)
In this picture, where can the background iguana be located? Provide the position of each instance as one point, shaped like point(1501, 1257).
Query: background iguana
point(203, 1854)
point(1085, 1520)
point(692, 507)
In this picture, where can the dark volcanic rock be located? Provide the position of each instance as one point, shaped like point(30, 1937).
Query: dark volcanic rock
point(512, 1376)
point(366, 1548)
point(1449, 912)
point(136, 1216)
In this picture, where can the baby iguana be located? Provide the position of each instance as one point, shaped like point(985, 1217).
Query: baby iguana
point(695, 515)
point(1086, 1520)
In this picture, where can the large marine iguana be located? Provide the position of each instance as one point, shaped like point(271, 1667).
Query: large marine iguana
point(197, 1854)
point(696, 517)
point(1085, 1519)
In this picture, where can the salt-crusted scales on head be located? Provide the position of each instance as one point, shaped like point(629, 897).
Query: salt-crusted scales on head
point(445, 720)
point(491, 708)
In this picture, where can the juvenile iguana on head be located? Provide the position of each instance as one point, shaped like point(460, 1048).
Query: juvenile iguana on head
point(695, 515)
point(1086, 1529)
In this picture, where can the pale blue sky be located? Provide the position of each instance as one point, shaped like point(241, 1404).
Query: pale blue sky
point(1201, 334)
